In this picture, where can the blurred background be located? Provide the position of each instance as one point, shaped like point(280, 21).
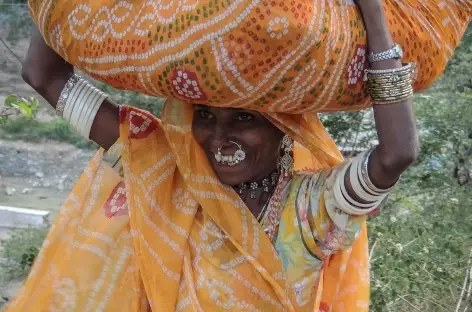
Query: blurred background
point(420, 243)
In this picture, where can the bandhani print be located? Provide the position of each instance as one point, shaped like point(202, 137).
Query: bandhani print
point(355, 70)
point(188, 232)
point(117, 204)
point(253, 54)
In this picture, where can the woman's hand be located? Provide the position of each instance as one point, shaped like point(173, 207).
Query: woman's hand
point(44, 70)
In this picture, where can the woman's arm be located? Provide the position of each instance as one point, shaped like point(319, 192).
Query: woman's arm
point(47, 73)
point(398, 144)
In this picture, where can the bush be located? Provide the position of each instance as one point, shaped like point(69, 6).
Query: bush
point(31, 130)
point(19, 251)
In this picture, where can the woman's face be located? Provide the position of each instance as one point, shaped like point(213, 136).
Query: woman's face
point(215, 128)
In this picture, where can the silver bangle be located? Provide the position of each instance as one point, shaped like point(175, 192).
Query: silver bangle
point(86, 105)
point(365, 175)
point(92, 113)
point(86, 111)
point(70, 101)
point(61, 103)
point(79, 103)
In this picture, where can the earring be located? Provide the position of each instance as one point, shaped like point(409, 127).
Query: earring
point(286, 162)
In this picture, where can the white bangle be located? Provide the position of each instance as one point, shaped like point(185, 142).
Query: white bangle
point(74, 104)
point(93, 113)
point(70, 101)
point(65, 93)
point(342, 202)
point(87, 107)
point(345, 201)
point(82, 105)
point(86, 112)
point(357, 182)
point(352, 201)
point(365, 175)
point(362, 176)
point(82, 101)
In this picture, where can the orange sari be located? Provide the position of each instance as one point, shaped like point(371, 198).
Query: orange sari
point(124, 243)
point(133, 243)
point(275, 56)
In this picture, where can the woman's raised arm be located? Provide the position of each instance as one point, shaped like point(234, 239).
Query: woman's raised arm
point(398, 144)
point(47, 73)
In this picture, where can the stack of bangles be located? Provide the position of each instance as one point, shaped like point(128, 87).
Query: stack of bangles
point(79, 103)
point(390, 86)
point(370, 196)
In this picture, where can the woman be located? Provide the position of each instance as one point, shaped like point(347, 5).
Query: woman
point(202, 210)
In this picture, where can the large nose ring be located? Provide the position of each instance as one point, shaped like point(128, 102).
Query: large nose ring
point(231, 160)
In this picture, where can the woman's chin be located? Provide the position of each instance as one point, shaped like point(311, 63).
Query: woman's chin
point(231, 175)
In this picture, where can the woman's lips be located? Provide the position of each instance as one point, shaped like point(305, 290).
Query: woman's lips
point(224, 168)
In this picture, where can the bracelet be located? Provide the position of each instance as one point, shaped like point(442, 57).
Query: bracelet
point(69, 101)
point(362, 186)
point(61, 102)
point(346, 202)
point(406, 67)
point(92, 113)
point(364, 172)
point(357, 182)
point(388, 86)
point(87, 111)
point(82, 103)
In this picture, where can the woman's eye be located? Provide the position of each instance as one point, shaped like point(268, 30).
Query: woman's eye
point(245, 117)
point(205, 114)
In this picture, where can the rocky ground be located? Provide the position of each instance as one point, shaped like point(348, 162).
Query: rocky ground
point(39, 176)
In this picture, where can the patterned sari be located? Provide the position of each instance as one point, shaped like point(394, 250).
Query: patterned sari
point(166, 235)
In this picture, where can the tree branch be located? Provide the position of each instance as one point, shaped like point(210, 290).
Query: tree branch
point(11, 51)
point(464, 286)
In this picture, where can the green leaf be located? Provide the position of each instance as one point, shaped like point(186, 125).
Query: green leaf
point(34, 103)
point(12, 98)
point(24, 108)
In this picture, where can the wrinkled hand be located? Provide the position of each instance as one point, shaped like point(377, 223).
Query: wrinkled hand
point(45, 70)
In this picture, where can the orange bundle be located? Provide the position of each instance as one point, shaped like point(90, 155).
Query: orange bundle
point(266, 55)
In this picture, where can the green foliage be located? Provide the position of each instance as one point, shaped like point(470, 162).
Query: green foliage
point(19, 251)
point(15, 17)
point(423, 236)
point(421, 250)
point(31, 130)
point(15, 104)
point(27, 107)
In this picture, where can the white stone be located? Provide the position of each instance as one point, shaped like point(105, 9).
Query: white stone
point(39, 174)
point(26, 190)
point(10, 191)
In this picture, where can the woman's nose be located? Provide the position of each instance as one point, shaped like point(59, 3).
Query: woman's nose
point(220, 135)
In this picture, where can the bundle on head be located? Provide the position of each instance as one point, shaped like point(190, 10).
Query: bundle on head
point(277, 56)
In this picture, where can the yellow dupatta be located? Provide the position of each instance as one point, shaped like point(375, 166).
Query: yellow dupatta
point(132, 243)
